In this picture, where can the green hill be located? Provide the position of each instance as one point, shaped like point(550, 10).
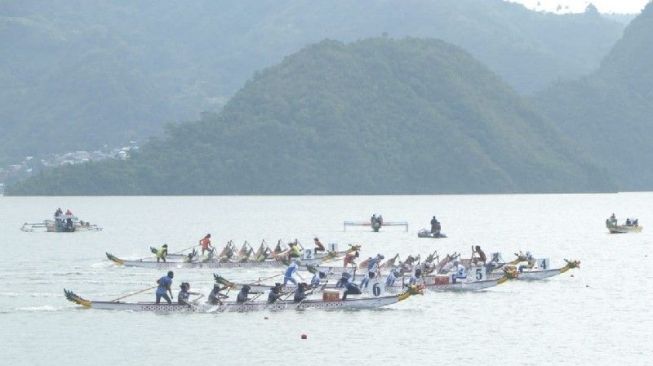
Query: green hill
point(372, 117)
point(78, 75)
point(609, 113)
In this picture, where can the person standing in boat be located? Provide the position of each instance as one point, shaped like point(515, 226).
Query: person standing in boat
point(165, 288)
point(319, 247)
point(275, 293)
point(435, 226)
point(205, 243)
point(242, 295)
point(184, 294)
point(290, 271)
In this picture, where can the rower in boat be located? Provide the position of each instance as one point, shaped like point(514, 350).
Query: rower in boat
point(317, 279)
point(459, 271)
point(205, 243)
point(350, 258)
point(372, 269)
point(290, 271)
point(301, 293)
point(242, 295)
point(344, 279)
point(392, 277)
point(184, 294)
point(162, 253)
point(164, 288)
point(215, 296)
point(478, 255)
point(416, 277)
point(319, 247)
point(530, 262)
point(275, 293)
point(295, 251)
point(351, 289)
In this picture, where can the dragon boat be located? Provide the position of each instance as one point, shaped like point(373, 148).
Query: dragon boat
point(532, 269)
point(232, 257)
point(232, 306)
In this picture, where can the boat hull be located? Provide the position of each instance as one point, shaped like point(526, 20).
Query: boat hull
point(530, 275)
point(172, 263)
point(359, 303)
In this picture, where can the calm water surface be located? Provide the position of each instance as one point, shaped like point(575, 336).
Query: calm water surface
point(599, 314)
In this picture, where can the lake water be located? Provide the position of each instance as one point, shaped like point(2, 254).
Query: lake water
point(599, 314)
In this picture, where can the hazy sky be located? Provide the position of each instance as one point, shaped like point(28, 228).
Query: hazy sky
point(604, 6)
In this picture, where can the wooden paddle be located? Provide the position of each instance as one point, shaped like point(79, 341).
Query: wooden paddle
point(266, 278)
point(134, 293)
point(183, 250)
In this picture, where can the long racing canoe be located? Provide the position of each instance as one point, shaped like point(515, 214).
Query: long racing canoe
point(231, 306)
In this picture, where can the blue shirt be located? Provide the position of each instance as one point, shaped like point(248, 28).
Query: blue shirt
point(164, 283)
point(315, 281)
point(373, 264)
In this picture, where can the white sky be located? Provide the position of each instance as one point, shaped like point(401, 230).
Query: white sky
point(575, 6)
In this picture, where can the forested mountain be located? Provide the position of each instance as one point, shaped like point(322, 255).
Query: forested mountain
point(80, 74)
point(375, 116)
point(610, 113)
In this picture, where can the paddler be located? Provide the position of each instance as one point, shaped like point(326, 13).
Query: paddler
point(392, 277)
point(162, 253)
point(290, 271)
point(184, 294)
point(351, 289)
point(416, 277)
point(459, 271)
point(317, 278)
point(205, 243)
point(301, 293)
point(275, 293)
point(165, 284)
point(372, 269)
point(344, 280)
point(481, 257)
point(295, 252)
point(215, 295)
point(319, 247)
point(242, 295)
point(350, 259)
